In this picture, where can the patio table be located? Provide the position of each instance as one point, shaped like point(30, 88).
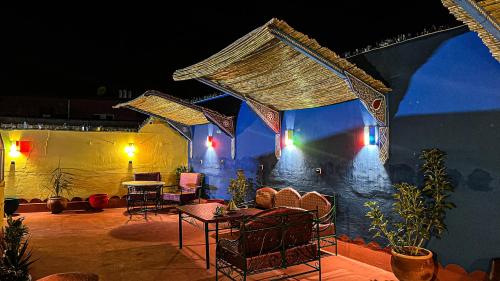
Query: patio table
point(143, 188)
point(205, 214)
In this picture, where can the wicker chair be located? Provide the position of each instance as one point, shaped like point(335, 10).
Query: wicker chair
point(326, 216)
point(188, 189)
point(276, 238)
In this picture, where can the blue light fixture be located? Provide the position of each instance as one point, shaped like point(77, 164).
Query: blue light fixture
point(371, 136)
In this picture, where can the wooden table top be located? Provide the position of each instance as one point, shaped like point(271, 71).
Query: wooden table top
point(142, 183)
point(205, 212)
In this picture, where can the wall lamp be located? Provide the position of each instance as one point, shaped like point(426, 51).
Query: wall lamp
point(18, 147)
point(130, 149)
point(371, 135)
point(210, 141)
point(14, 150)
point(289, 137)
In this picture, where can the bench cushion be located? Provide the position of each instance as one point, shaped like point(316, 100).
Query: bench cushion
point(264, 197)
point(266, 235)
point(287, 197)
point(295, 255)
point(315, 201)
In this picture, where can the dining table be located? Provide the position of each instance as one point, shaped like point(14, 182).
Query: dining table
point(140, 191)
point(205, 213)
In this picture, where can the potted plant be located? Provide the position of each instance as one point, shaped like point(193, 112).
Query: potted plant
point(16, 258)
point(421, 216)
point(238, 188)
point(10, 205)
point(61, 183)
point(99, 201)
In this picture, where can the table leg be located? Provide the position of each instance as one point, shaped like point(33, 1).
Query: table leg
point(207, 247)
point(216, 232)
point(145, 203)
point(180, 230)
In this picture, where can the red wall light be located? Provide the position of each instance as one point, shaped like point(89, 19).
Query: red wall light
point(23, 146)
point(210, 141)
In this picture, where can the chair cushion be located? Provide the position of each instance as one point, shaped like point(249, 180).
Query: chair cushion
point(326, 229)
point(156, 176)
point(178, 197)
point(264, 197)
point(267, 235)
point(287, 197)
point(315, 201)
point(189, 180)
point(293, 256)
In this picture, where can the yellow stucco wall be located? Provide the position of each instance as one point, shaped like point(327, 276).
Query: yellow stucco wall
point(1, 183)
point(97, 159)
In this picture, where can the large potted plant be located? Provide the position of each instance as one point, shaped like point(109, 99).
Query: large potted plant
point(421, 212)
point(238, 188)
point(61, 182)
point(16, 259)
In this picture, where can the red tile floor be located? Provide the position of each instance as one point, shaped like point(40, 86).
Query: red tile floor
point(116, 248)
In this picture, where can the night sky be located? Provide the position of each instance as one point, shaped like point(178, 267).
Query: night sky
point(70, 51)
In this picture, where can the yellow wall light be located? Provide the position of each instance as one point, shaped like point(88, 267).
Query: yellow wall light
point(130, 150)
point(14, 151)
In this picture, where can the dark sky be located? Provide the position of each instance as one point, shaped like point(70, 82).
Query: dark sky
point(71, 50)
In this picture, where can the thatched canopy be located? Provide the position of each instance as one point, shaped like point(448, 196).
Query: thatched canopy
point(280, 68)
point(480, 16)
point(168, 107)
point(175, 110)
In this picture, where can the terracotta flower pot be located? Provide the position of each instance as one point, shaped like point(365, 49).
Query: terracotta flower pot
point(98, 201)
point(413, 268)
point(57, 204)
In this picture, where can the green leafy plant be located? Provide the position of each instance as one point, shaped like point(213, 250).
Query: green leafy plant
point(61, 182)
point(421, 211)
point(239, 188)
point(16, 258)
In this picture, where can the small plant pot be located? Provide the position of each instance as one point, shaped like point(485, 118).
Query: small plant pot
point(413, 268)
point(10, 206)
point(57, 204)
point(98, 201)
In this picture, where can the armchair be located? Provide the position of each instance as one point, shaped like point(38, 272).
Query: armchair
point(188, 189)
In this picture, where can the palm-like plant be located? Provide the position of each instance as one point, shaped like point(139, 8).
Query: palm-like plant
point(421, 210)
point(61, 182)
point(16, 258)
point(239, 188)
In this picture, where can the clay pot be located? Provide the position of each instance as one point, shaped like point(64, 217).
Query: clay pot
point(413, 268)
point(57, 204)
point(10, 206)
point(98, 201)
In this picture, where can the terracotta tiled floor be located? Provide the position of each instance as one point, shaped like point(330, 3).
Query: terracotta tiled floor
point(116, 248)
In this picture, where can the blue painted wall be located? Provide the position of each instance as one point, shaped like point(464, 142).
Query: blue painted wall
point(445, 94)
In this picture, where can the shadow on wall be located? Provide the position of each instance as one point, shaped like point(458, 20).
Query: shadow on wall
point(397, 73)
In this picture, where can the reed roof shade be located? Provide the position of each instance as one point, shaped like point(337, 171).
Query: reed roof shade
point(166, 107)
point(281, 68)
point(178, 113)
point(481, 17)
